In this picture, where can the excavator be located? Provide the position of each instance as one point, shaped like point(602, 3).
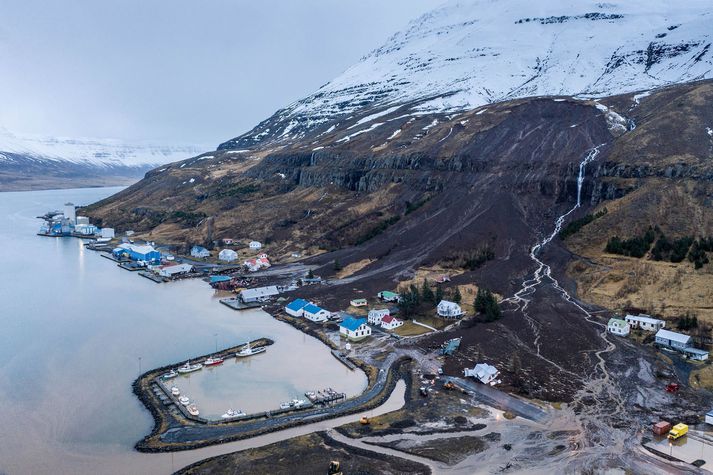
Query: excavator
point(334, 468)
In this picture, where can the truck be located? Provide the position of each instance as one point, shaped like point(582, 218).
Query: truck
point(662, 428)
point(678, 431)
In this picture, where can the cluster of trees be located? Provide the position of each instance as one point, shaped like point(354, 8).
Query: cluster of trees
point(412, 297)
point(671, 250)
point(578, 224)
point(636, 246)
point(664, 249)
point(697, 254)
point(487, 305)
point(380, 227)
point(687, 322)
point(472, 259)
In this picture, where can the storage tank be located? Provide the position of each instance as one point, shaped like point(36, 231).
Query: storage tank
point(70, 212)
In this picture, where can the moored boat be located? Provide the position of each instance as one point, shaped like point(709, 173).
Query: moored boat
point(285, 405)
point(249, 351)
point(229, 414)
point(189, 368)
point(170, 375)
point(184, 400)
point(175, 391)
point(213, 361)
point(193, 409)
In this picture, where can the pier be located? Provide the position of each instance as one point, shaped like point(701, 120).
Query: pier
point(344, 359)
point(236, 304)
point(153, 277)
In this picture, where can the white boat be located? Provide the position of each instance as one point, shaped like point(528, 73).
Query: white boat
point(298, 402)
point(249, 351)
point(175, 391)
point(193, 409)
point(285, 405)
point(184, 400)
point(171, 374)
point(189, 368)
point(231, 413)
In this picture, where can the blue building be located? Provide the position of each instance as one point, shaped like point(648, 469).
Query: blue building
point(354, 328)
point(296, 307)
point(140, 253)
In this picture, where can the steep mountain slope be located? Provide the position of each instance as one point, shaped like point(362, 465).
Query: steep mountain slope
point(467, 54)
point(28, 162)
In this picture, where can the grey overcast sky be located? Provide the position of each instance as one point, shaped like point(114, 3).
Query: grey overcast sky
point(188, 71)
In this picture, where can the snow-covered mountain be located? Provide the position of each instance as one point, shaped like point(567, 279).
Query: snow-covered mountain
point(100, 153)
point(465, 54)
point(32, 162)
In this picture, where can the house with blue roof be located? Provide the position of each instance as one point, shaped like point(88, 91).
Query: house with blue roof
point(296, 307)
point(315, 313)
point(354, 329)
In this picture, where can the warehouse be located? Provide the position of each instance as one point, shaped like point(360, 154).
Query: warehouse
point(259, 294)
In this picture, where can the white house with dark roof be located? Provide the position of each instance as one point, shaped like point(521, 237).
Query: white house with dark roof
point(390, 323)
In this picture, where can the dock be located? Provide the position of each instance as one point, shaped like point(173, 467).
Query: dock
point(325, 396)
point(343, 358)
point(236, 304)
point(153, 276)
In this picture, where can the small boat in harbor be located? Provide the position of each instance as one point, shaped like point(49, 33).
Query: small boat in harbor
point(231, 413)
point(193, 409)
point(285, 405)
point(175, 391)
point(189, 368)
point(213, 361)
point(298, 403)
point(249, 351)
point(170, 375)
point(184, 400)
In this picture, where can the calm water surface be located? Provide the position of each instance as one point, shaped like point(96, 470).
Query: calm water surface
point(74, 329)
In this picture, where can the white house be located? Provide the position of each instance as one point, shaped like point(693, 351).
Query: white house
point(390, 323)
point(375, 316)
point(709, 417)
point(174, 269)
point(315, 313)
point(227, 255)
point(255, 264)
point(448, 309)
point(199, 251)
point(107, 233)
point(617, 326)
point(354, 328)
point(255, 245)
point(259, 294)
point(484, 373)
point(677, 341)
point(645, 322)
point(695, 354)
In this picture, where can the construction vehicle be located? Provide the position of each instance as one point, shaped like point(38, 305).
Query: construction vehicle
point(678, 431)
point(334, 468)
point(672, 388)
point(364, 420)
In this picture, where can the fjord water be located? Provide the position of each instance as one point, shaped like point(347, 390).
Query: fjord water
point(74, 329)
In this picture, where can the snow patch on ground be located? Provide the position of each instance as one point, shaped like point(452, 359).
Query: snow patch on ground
point(363, 131)
point(615, 122)
point(637, 97)
point(371, 117)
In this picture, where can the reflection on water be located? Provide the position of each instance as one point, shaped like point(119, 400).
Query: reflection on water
point(76, 329)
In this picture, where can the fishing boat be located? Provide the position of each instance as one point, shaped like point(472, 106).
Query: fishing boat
point(189, 368)
point(170, 375)
point(285, 405)
point(249, 351)
point(231, 413)
point(175, 391)
point(298, 402)
point(193, 409)
point(184, 400)
point(213, 361)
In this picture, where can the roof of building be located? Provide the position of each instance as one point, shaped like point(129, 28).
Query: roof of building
point(669, 335)
point(616, 321)
point(198, 248)
point(645, 319)
point(447, 302)
point(258, 292)
point(695, 351)
point(387, 319)
point(388, 293)
point(297, 304)
point(312, 308)
point(352, 323)
point(219, 278)
point(710, 413)
point(359, 300)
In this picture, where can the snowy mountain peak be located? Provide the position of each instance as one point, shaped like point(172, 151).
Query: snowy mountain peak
point(469, 53)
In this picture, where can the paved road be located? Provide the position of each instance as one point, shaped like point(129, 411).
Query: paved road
point(501, 400)
point(209, 432)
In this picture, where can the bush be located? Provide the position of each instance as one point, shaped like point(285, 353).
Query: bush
point(578, 224)
point(637, 246)
point(487, 305)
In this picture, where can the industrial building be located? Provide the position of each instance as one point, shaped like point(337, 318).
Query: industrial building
point(138, 252)
point(259, 294)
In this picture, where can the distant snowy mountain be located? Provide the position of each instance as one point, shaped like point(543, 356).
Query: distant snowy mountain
point(102, 153)
point(469, 53)
point(29, 162)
